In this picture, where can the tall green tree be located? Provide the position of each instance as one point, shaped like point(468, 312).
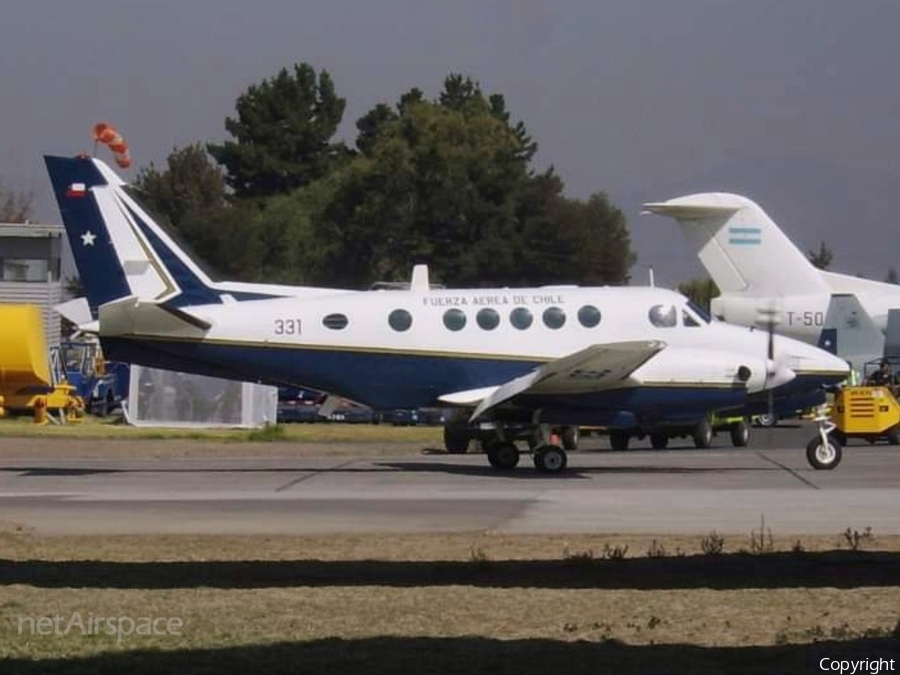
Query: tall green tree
point(190, 194)
point(436, 185)
point(282, 134)
point(821, 258)
point(188, 183)
point(449, 182)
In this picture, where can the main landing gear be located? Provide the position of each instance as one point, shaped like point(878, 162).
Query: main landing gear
point(503, 454)
point(547, 445)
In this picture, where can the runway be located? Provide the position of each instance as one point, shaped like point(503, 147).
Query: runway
point(679, 491)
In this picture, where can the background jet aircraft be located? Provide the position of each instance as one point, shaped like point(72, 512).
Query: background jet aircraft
point(758, 269)
point(633, 359)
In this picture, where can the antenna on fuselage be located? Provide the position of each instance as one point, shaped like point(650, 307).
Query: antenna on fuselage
point(420, 280)
point(652, 280)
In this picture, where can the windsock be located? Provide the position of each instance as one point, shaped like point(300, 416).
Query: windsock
point(107, 134)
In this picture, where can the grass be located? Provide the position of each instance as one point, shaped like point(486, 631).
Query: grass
point(92, 438)
point(330, 596)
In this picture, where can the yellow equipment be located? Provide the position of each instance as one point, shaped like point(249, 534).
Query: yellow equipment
point(870, 413)
point(26, 375)
point(867, 412)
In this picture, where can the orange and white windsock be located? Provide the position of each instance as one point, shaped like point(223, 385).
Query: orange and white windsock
point(107, 134)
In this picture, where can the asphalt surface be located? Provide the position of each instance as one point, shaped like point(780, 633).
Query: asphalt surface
point(677, 491)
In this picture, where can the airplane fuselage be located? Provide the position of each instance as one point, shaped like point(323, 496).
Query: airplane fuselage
point(398, 349)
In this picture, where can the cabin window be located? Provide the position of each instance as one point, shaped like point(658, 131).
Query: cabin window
point(455, 319)
point(487, 318)
point(554, 318)
point(335, 321)
point(589, 316)
point(663, 316)
point(521, 318)
point(400, 320)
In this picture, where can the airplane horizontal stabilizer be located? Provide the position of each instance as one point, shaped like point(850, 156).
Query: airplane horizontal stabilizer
point(595, 368)
point(689, 211)
point(130, 316)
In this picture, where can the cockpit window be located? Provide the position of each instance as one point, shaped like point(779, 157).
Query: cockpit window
point(663, 316)
point(688, 319)
point(699, 311)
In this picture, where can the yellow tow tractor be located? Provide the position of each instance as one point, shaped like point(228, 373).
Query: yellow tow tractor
point(30, 381)
point(869, 412)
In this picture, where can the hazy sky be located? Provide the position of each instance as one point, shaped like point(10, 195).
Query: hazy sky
point(795, 103)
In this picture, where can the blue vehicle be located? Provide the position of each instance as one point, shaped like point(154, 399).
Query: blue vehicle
point(102, 385)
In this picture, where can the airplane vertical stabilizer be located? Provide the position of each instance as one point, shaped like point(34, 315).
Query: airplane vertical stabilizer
point(119, 249)
point(740, 246)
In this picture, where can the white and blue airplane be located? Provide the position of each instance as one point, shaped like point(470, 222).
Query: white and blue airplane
point(637, 360)
point(757, 267)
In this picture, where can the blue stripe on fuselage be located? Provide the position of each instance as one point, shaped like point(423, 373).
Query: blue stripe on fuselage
point(391, 380)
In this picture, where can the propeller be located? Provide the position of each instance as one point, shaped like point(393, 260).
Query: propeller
point(769, 317)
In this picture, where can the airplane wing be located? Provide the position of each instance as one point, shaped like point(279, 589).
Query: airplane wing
point(595, 368)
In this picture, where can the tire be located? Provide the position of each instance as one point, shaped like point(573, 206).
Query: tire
point(659, 441)
point(569, 438)
point(766, 420)
point(703, 434)
point(551, 459)
point(456, 439)
point(503, 456)
point(893, 435)
point(823, 458)
point(740, 434)
point(618, 440)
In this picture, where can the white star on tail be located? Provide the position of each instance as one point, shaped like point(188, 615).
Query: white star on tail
point(87, 239)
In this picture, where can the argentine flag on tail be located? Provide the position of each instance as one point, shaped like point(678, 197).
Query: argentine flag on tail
point(744, 236)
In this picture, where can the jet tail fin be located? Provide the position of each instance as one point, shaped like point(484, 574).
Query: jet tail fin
point(850, 332)
point(740, 246)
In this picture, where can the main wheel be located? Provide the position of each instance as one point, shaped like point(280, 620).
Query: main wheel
point(703, 434)
point(823, 456)
point(618, 440)
point(659, 441)
point(456, 439)
point(503, 456)
point(740, 434)
point(569, 438)
point(550, 459)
